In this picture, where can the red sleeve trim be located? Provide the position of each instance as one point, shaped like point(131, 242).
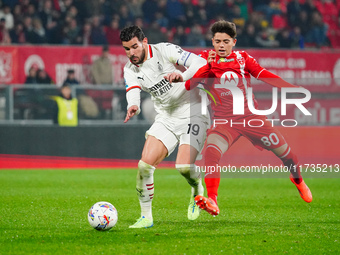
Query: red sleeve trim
point(260, 73)
point(133, 87)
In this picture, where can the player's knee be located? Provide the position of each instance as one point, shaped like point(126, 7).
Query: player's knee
point(145, 170)
point(188, 170)
point(183, 169)
point(288, 157)
point(219, 142)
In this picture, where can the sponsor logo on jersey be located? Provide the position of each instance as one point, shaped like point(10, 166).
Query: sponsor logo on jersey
point(225, 60)
point(229, 79)
point(228, 93)
point(160, 88)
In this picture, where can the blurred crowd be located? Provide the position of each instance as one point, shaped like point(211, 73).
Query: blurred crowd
point(260, 23)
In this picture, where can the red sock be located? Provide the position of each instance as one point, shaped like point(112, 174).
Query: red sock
point(212, 179)
point(290, 160)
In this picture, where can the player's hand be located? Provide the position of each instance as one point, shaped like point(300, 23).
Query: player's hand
point(211, 56)
point(131, 112)
point(174, 77)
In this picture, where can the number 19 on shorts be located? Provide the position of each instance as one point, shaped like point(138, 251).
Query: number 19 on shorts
point(194, 129)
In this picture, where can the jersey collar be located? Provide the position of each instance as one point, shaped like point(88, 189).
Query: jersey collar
point(150, 52)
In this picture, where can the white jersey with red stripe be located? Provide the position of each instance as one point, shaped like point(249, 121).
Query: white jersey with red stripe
point(171, 99)
point(234, 70)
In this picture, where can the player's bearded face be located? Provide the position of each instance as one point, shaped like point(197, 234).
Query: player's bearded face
point(135, 50)
point(223, 44)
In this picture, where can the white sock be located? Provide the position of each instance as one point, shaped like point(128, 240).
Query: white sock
point(145, 188)
point(193, 177)
point(198, 190)
point(146, 209)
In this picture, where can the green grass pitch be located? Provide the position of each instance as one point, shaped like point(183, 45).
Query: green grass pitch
point(45, 212)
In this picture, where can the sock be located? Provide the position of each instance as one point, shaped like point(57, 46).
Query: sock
point(193, 177)
point(212, 157)
point(145, 188)
point(290, 160)
point(146, 209)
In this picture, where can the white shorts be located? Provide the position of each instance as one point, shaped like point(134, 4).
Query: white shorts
point(173, 131)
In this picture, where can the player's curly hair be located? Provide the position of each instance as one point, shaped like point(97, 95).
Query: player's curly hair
point(130, 32)
point(223, 26)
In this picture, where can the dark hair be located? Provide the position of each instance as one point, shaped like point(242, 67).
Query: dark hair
point(223, 26)
point(130, 32)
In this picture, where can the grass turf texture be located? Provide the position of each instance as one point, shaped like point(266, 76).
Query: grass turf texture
point(45, 212)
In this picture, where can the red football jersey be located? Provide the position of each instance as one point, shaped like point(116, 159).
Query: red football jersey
point(233, 70)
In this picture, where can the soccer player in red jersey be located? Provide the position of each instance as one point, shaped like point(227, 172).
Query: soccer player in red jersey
point(235, 68)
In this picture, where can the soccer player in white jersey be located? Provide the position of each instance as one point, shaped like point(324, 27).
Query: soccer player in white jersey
point(151, 68)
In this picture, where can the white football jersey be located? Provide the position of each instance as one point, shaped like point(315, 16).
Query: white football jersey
point(171, 99)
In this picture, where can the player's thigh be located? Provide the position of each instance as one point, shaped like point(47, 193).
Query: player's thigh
point(222, 136)
point(162, 142)
point(154, 151)
point(192, 134)
point(266, 136)
point(186, 154)
point(272, 140)
point(280, 150)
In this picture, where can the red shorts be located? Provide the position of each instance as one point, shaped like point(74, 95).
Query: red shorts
point(257, 129)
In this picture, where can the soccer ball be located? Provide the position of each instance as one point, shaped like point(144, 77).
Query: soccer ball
point(102, 216)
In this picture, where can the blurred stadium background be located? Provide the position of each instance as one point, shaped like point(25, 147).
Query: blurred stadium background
point(297, 39)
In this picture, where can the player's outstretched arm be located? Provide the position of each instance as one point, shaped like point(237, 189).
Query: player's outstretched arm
point(274, 80)
point(176, 55)
point(203, 72)
point(133, 100)
point(131, 112)
point(264, 75)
